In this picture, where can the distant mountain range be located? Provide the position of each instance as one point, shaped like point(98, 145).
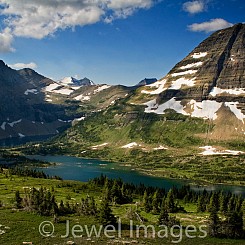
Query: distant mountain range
point(197, 108)
point(34, 105)
point(202, 99)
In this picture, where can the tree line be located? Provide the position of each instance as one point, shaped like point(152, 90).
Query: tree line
point(226, 210)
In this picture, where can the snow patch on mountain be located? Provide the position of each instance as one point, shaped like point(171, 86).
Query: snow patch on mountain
point(159, 85)
point(67, 81)
point(51, 87)
point(64, 91)
point(236, 91)
point(3, 126)
point(233, 107)
point(191, 65)
point(183, 73)
point(210, 150)
point(182, 81)
point(15, 122)
point(130, 145)
point(97, 146)
point(160, 109)
point(160, 148)
point(101, 88)
point(199, 55)
point(82, 97)
point(31, 91)
point(206, 109)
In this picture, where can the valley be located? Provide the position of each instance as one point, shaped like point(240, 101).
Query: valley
point(92, 153)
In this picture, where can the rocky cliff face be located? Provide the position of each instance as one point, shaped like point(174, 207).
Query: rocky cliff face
point(23, 107)
point(208, 83)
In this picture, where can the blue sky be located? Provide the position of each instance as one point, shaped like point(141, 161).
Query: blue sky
point(108, 41)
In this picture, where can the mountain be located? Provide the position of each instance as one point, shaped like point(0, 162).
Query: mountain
point(146, 81)
point(189, 121)
point(76, 82)
point(208, 83)
point(24, 108)
point(33, 105)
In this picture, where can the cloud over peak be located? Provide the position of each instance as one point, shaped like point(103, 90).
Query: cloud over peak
point(38, 18)
point(18, 66)
point(209, 26)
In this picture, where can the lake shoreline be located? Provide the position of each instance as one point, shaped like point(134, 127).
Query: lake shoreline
point(89, 168)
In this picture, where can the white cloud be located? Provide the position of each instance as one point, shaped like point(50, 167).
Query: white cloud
point(41, 18)
point(194, 7)
point(31, 65)
point(6, 39)
point(209, 26)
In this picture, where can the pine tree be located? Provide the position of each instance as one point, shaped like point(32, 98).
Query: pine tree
point(222, 203)
point(155, 203)
point(163, 218)
point(116, 194)
point(201, 207)
point(18, 200)
point(146, 202)
point(62, 209)
point(231, 204)
point(243, 213)
point(214, 223)
point(233, 225)
point(213, 203)
point(105, 215)
point(169, 202)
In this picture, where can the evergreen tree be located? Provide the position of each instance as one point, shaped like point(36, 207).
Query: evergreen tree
point(231, 204)
point(116, 195)
point(105, 215)
point(169, 202)
point(146, 202)
point(201, 207)
point(155, 203)
point(213, 203)
point(62, 209)
point(233, 225)
point(163, 218)
point(214, 223)
point(18, 200)
point(222, 203)
point(243, 213)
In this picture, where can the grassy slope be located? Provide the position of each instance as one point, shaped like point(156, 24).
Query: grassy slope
point(124, 123)
point(23, 226)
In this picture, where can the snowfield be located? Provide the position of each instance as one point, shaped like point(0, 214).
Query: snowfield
point(206, 109)
point(51, 87)
point(130, 145)
point(101, 88)
point(159, 85)
point(210, 150)
point(183, 73)
point(233, 107)
point(191, 65)
point(182, 81)
point(237, 91)
point(160, 109)
point(82, 97)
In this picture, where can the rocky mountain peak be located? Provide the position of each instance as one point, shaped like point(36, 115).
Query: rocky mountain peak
point(208, 83)
point(146, 81)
